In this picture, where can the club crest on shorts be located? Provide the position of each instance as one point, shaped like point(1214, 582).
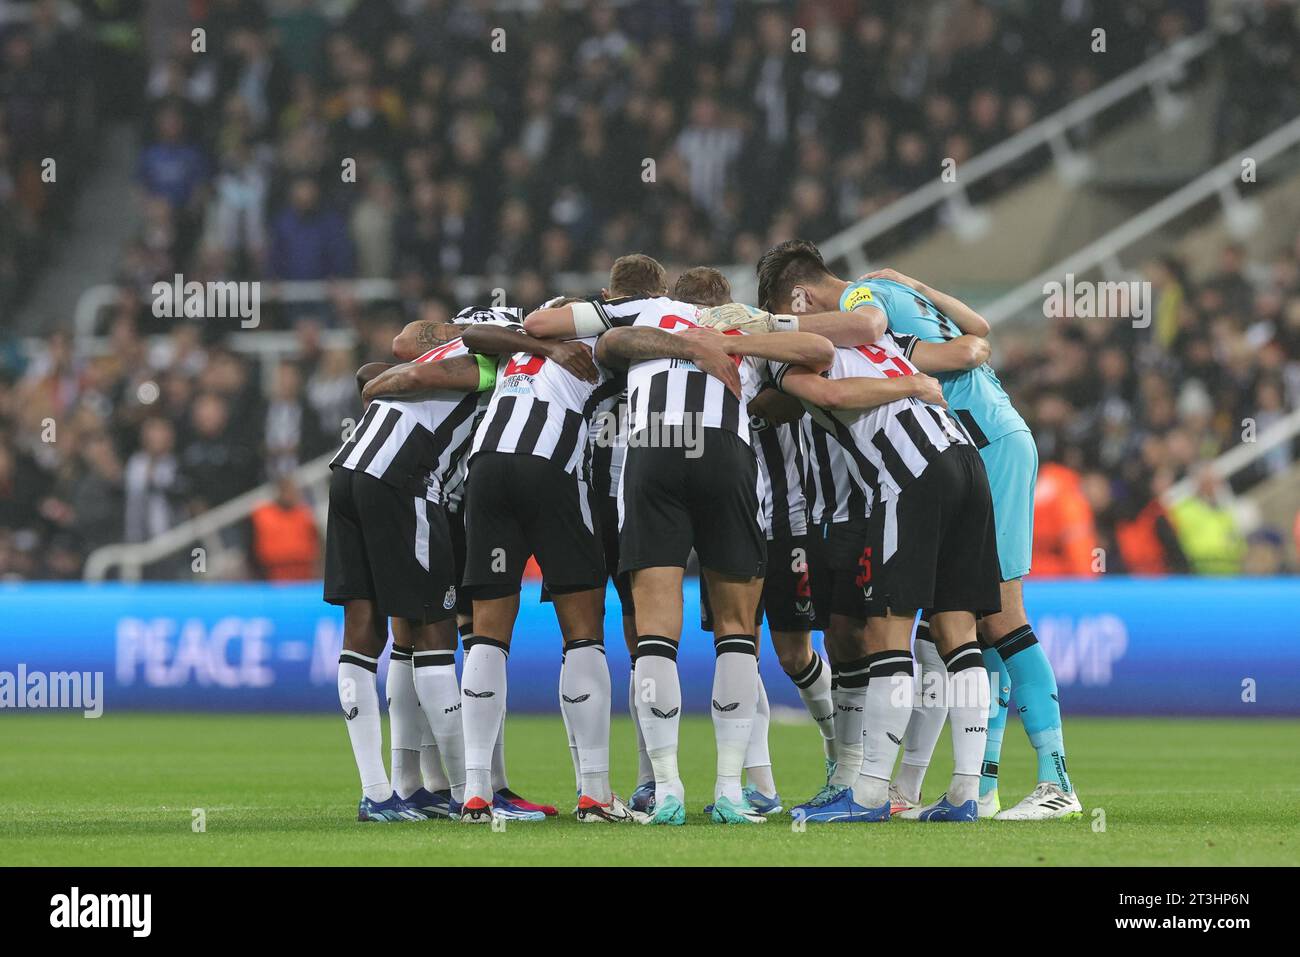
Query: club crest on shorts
point(449, 599)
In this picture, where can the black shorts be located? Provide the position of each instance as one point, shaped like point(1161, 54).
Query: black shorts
point(456, 525)
point(608, 514)
point(521, 505)
point(670, 503)
point(934, 545)
point(836, 557)
point(607, 519)
point(388, 546)
point(786, 600)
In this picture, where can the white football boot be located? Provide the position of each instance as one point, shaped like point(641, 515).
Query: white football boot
point(591, 811)
point(1047, 802)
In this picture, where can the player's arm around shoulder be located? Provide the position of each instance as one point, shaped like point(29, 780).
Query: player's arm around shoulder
point(566, 318)
point(624, 345)
point(962, 354)
point(860, 327)
point(490, 339)
point(967, 319)
point(858, 392)
point(411, 380)
point(417, 338)
point(368, 372)
point(806, 349)
point(500, 340)
point(777, 407)
point(553, 323)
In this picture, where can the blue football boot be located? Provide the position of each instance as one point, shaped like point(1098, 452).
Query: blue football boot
point(943, 810)
point(643, 798)
point(841, 809)
point(432, 804)
point(387, 811)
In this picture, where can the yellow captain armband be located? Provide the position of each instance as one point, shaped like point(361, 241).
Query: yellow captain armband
point(487, 372)
point(858, 296)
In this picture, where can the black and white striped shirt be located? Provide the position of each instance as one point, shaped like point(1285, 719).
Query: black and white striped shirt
point(607, 442)
point(607, 447)
point(415, 445)
point(540, 408)
point(888, 446)
point(780, 453)
point(832, 493)
point(669, 392)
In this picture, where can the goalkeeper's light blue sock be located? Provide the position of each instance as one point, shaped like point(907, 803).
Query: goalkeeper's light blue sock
point(1033, 684)
point(999, 698)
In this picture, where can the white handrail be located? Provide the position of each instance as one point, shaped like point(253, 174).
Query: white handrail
point(1107, 248)
point(1049, 131)
point(132, 557)
point(1240, 456)
point(1220, 182)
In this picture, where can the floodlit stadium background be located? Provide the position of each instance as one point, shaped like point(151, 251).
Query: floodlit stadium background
point(373, 162)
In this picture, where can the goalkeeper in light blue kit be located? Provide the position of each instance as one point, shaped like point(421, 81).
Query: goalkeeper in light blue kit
point(1016, 662)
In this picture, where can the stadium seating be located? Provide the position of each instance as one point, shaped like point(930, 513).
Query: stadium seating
point(238, 176)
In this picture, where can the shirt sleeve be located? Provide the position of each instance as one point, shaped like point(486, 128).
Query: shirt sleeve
point(491, 314)
point(776, 371)
point(858, 294)
point(593, 316)
point(906, 343)
point(589, 318)
point(507, 324)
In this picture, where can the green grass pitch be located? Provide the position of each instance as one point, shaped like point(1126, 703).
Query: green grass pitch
point(121, 790)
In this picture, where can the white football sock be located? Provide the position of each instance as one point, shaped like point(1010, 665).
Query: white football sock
point(645, 771)
point(849, 695)
point(435, 684)
point(585, 700)
point(758, 757)
point(431, 770)
point(499, 780)
point(405, 722)
point(735, 698)
point(968, 708)
point(814, 684)
point(888, 706)
point(568, 730)
point(483, 708)
point(360, 702)
point(659, 710)
point(928, 715)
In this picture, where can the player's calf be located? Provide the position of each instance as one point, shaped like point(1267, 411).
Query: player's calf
point(812, 678)
point(483, 698)
point(659, 705)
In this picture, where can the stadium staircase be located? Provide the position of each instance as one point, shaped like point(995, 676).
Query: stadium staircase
point(101, 228)
point(983, 247)
point(1194, 222)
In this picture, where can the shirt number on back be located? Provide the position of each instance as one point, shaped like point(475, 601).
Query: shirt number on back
point(528, 366)
point(882, 358)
